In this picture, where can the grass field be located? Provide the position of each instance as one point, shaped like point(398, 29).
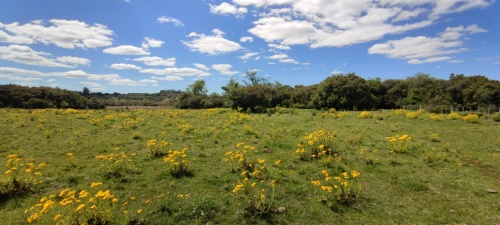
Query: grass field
point(219, 166)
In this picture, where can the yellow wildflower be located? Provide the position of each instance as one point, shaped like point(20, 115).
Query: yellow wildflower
point(80, 208)
point(57, 217)
point(95, 184)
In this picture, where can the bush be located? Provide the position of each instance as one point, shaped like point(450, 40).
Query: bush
point(496, 117)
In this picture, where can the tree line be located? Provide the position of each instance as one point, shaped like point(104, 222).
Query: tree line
point(257, 94)
point(350, 92)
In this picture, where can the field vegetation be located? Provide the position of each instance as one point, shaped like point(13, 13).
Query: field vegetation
point(223, 166)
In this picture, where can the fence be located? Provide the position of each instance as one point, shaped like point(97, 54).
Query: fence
point(489, 109)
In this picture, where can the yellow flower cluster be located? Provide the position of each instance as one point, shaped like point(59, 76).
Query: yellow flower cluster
point(399, 144)
point(315, 145)
point(400, 111)
point(100, 204)
point(436, 117)
point(21, 174)
point(364, 115)
point(242, 156)
point(115, 163)
point(178, 163)
point(471, 118)
point(343, 189)
point(239, 117)
point(157, 147)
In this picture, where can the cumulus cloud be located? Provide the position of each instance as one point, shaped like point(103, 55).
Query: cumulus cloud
point(62, 33)
point(282, 47)
point(126, 50)
point(156, 61)
point(175, 21)
point(283, 58)
point(181, 72)
point(113, 79)
point(152, 43)
point(323, 23)
point(26, 55)
point(227, 9)
point(421, 49)
point(124, 66)
point(224, 69)
point(168, 78)
point(73, 60)
point(246, 39)
point(248, 55)
point(201, 66)
point(211, 44)
point(91, 84)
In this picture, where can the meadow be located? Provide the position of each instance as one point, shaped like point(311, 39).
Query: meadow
point(221, 166)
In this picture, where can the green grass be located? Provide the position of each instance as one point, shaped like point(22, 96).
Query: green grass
point(442, 178)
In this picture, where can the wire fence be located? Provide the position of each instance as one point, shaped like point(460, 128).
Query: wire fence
point(445, 109)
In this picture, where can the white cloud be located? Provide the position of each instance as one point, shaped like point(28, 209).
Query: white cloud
point(19, 78)
point(91, 84)
point(284, 58)
point(26, 55)
point(175, 21)
point(185, 71)
point(126, 50)
point(62, 33)
point(422, 49)
point(260, 3)
point(282, 47)
point(487, 59)
point(124, 66)
point(149, 81)
point(73, 60)
point(71, 74)
point(246, 39)
point(152, 43)
point(336, 72)
point(248, 55)
point(226, 9)
point(201, 66)
point(224, 69)
point(113, 79)
point(168, 78)
point(126, 82)
point(211, 44)
point(326, 23)
point(156, 61)
point(8, 71)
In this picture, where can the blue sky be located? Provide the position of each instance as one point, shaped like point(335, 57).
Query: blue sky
point(151, 45)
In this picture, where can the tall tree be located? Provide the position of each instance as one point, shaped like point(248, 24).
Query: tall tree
point(197, 88)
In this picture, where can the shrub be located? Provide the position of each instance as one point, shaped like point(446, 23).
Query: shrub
point(178, 164)
point(454, 116)
point(316, 145)
point(399, 144)
point(364, 115)
point(496, 117)
point(471, 118)
point(343, 190)
point(21, 177)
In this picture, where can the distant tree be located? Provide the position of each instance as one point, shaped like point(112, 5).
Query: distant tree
point(197, 88)
point(253, 79)
point(86, 91)
point(343, 92)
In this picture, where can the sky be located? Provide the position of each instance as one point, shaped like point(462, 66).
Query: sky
point(144, 46)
